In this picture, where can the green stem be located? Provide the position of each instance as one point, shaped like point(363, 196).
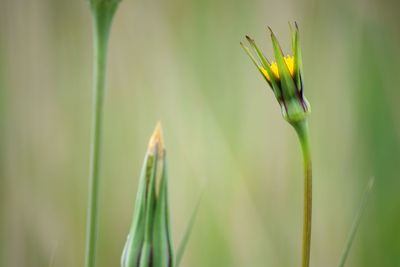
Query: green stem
point(102, 17)
point(302, 132)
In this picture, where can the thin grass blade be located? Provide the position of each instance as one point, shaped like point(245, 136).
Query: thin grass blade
point(188, 231)
point(356, 223)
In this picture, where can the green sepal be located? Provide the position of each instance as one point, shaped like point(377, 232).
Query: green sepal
point(247, 50)
point(134, 243)
point(298, 66)
point(294, 106)
point(273, 83)
point(293, 111)
point(162, 245)
point(287, 84)
point(145, 256)
point(151, 201)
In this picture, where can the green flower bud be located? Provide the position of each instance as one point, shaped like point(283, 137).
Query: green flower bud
point(149, 240)
point(284, 76)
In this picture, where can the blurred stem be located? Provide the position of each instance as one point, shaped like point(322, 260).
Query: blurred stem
point(102, 16)
point(302, 132)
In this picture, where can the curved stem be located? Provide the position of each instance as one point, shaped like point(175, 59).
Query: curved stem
point(102, 17)
point(302, 132)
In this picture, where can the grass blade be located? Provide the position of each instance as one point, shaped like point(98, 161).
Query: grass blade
point(188, 231)
point(356, 223)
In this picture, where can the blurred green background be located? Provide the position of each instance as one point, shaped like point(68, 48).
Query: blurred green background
point(180, 62)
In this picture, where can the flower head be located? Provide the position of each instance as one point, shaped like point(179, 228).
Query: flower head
point(149, 240)
point(284, 76)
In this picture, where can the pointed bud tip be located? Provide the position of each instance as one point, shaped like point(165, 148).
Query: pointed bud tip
point(273, 37)
point(156, 143)
point(249, 39)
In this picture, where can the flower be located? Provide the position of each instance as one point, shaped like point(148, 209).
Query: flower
point(149, 240)
point(284, 76)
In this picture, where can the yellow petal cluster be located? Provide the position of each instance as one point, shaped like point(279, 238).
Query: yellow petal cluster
point(289, 60)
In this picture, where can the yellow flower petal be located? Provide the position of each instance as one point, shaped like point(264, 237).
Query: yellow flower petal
point(289, 60)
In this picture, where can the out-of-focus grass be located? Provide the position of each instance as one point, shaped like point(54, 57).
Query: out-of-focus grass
point(379, 133)
point(180, 62)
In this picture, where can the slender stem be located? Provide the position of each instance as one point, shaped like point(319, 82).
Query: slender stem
point(102, 18)
point(302, 132)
